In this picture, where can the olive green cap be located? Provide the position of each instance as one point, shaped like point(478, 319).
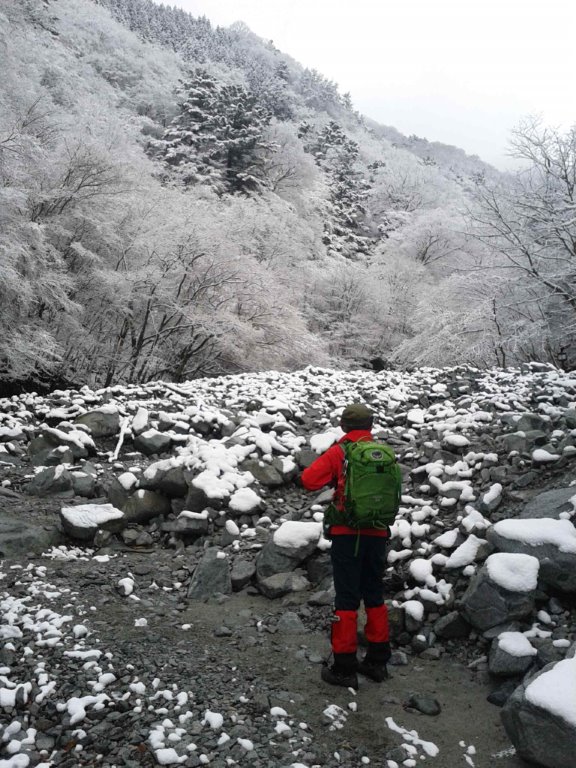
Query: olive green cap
point(356, 416)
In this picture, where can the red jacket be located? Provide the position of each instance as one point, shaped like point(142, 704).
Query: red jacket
point(328, 469)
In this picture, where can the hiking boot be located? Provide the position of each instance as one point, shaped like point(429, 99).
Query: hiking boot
point(342, 672)
point(375, 670)
point(373, 665)
point(334, 676)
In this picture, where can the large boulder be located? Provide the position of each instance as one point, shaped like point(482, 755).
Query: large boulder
point(50, 482)
point(552, 542)
point(502, 590)
point(168, 477)
point(292, 543)
point(152, 442)
point(18, 538)
point(212, 576)
point(550, 504)
point(101, 422)
point(280, 584)
point(143, 505)
point(83, 521)
point(78, 441)
point(540, 716)
point(266, 474)
point(511, 654)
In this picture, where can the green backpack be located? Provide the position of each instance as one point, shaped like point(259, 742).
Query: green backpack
point(373, 486)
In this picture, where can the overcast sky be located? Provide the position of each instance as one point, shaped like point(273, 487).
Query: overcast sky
point(462, 72)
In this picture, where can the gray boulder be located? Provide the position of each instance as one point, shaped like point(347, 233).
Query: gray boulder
point(540, 717)
point(152, 441)
point(190, 524)
point(212, 576)
point(78, 441)
point(487, 603)
point(166, 477)
point(451, 626)
point(44, 453)
point(505, 661)
point(83, 521)
point(275, 558)
point(18, 538)
point(550, 504)
point(290, 624)
point(84, 484)
point(243, 571)
point(532, 421)
point(50, 481)
point(555, 548)
point(569, 416)
point(266, 474)
point(101, 422)
point(143, 505)
point(281, 584)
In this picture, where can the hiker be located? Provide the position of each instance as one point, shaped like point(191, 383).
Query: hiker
point(357, 553)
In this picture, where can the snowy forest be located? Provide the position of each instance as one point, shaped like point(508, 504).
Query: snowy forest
point(181, 200)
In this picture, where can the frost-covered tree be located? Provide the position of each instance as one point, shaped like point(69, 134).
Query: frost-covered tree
point(337, 155)
point(529, 228)
point(218, 137)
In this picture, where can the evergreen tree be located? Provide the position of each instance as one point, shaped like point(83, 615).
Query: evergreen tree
point(337, 155)
point(217, 137)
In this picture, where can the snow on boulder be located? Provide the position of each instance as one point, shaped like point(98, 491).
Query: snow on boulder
point(511, 654)
point(541, 456)
point(491, 499)
point(415, 416)
point(421, 571)
point(552, 542)
point(467, 553)
point(321, 443)
point(82, 522)
point(245, 500)
point(501, 591)
point(167, 476)
point(540, 716)
point(451, 440)
point(296, 535)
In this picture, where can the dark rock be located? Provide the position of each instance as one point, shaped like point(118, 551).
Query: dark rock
point(451, 626)
point(503, 664)
point(17, 537)
point(152, 442)
point(550, 504)
point(486, 604)
point(266, 474)
point(243, 571)
point(212, 575)
point(143, 506)
point(281, 584)
point(500, 695)
point(167, 478)
point(50, 481)
point(424, 703)
point(540, 736)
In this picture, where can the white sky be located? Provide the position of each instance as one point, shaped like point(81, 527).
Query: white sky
point(462, 72)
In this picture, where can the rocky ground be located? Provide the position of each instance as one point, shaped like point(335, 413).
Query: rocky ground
point(241, 657)
point(179, 632)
